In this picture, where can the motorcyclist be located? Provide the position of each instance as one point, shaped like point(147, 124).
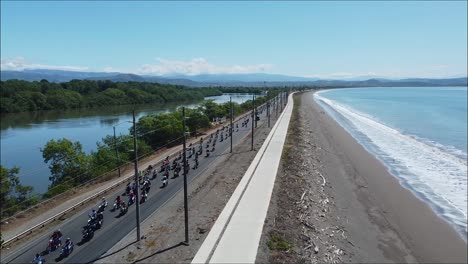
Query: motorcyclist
point(132, 196)
point(38, 259)
point(123, 209)
point(118, 200)
point(68, 244)
point(164, 181)
point(93, 214)
point(147, 186)
point(144, 196)
point(56, 237)
point(103, 201)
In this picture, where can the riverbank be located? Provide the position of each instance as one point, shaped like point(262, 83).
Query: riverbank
point(334, 202)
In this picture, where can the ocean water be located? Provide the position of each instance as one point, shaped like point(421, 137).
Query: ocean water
point(418, 133)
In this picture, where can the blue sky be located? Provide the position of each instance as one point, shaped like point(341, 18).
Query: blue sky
point(320, 39)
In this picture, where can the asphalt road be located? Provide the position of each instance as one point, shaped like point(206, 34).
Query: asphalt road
point(114, 228)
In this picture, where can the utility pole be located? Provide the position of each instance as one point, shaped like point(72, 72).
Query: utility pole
point(268, 112)
point(137, 196)
point(255, 113)
point(276, 105)
point(116, 151)
point(232, 113)
point(186, 242)
point(253, 116)
point(281, 101)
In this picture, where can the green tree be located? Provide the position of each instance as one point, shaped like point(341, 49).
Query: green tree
point(105, 159)
point(64, 99)
point(211, 109)
point(13, 195)
point(196, 120)
point(159, 129)
point(66, 159)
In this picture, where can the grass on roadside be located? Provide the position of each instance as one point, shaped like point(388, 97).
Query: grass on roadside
point(276, 242)
point(293, 129)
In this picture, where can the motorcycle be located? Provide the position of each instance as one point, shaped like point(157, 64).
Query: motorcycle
point(101, 208)
point(116, 206)
point(38, 260)
point(144, 197)
point(88, 233)
point(53, 244)
point(66, 250)
point(96, 223)
point(100, 220)
point(131, 200)
point(123, 210)
point(164, 182)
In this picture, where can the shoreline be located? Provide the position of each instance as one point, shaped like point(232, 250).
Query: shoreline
point(418, 225)
point(435, 207)
point(351, 208)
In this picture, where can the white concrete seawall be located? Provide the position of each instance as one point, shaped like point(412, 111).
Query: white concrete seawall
point(235, 236)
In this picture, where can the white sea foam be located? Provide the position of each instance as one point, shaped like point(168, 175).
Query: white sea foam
point(434, 172)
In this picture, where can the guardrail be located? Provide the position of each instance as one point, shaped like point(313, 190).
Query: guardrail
point(72, 208)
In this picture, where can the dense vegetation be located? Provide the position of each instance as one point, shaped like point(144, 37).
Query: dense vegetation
point(22, 96)
point(13, 195)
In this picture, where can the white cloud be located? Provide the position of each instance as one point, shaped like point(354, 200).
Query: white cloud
point(344, 75)
point(197, 66)
point(110, 69)
point(19, 64)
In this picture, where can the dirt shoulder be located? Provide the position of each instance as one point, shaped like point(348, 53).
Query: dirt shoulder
point(333, 202)
point(208, 194)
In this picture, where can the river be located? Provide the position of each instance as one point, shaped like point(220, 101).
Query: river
point(24, 134)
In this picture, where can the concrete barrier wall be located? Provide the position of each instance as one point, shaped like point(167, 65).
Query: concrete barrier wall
point(235, 236)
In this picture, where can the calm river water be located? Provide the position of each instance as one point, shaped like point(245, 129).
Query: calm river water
point(23, 134)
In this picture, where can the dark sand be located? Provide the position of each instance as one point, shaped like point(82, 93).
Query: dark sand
point(370, 217)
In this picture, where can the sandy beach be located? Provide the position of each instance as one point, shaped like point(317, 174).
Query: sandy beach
point(335, 202)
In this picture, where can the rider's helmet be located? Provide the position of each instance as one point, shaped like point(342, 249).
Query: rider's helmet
point(68, 240)
point(37, 255)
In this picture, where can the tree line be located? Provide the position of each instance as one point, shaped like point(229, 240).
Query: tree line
point(23, 96)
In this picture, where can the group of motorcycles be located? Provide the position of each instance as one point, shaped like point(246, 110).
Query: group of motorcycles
point(96, 218)
point(95, 221)
point(54, 243)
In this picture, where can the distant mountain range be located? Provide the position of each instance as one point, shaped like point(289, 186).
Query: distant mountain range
point(253, 79)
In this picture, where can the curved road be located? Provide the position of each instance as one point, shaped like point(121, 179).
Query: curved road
point(114, 229)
